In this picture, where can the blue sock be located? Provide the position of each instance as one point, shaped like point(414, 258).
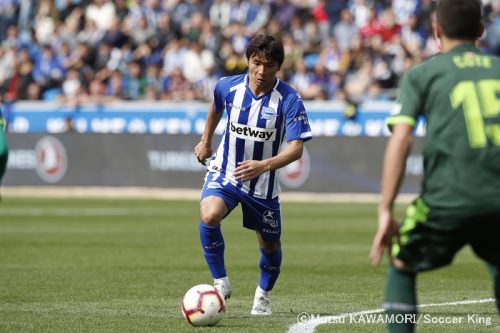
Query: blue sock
point(270, 263)
point(212, 243)
point(400, 299)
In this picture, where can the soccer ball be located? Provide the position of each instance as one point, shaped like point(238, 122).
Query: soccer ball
point(203, 305)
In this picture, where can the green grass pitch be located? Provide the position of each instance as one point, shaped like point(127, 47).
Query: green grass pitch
point(107, 265)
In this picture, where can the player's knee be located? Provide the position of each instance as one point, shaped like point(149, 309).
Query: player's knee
point(210, 218)
point(402, 266)
point(271, 246)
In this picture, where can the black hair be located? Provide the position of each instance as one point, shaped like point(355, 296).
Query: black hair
point(267, 45)
point(460, 19)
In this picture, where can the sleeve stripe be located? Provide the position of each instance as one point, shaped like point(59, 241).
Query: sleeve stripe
point(400, 119)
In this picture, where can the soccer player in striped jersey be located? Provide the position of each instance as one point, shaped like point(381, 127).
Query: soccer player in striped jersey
point(262, 112)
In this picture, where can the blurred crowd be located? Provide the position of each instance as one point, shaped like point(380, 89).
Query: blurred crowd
point(81, 51)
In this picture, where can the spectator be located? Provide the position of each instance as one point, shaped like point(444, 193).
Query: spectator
point(90, 35)
point(48, 71)
point(114, 87)
point(21, 80)
point(179, 88)
point(493, 31)
point(345, 30)
point(254, 15)
point(193, 69)
point(102, 12)
point(134, 82)
point(72, 87)
point(360, 12)
point(303, 81)
point(412, 37)
point(117, 38)
point(388, 25)
point(153, 82)
point(45, 21)
point(330, 56)
point(164, 31)
point(321, 18)
point(357, 82)
point(141, 32)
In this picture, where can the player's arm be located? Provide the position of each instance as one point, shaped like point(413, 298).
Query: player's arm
point(396, 152)
point(203, 149)
point(251, 169)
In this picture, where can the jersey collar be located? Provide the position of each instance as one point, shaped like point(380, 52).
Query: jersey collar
point(252, 93)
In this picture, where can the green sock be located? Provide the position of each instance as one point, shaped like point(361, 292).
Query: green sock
point(495, 271)
point(400, 301)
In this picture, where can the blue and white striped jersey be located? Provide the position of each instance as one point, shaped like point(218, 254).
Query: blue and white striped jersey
point(255, 130)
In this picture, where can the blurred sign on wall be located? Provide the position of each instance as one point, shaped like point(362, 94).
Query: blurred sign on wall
point(329, 164)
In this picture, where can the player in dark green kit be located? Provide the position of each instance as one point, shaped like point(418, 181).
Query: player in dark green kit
point(4, 148)
point(458, 94)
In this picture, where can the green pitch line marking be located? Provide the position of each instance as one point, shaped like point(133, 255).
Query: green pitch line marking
point(306, 323)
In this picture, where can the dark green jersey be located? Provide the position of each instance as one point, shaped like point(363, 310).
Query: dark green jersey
point(458, 94)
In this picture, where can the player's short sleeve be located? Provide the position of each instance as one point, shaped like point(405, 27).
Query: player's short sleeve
point(220, 92)
point(296, 121)
point(409, 102)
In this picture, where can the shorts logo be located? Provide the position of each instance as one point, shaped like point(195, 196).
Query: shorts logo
point(268, 218)
point(268, 113)
point(252, 133)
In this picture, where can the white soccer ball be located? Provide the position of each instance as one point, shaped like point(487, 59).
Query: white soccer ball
point(203, 305)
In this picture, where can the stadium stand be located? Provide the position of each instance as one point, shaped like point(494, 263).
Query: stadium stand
point(87, 51)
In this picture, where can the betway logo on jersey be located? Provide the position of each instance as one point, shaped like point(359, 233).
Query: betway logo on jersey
point(253, 133)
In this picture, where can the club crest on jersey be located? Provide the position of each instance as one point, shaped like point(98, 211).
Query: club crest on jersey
point(268, 218)
point(248, 132)
point(268, 113)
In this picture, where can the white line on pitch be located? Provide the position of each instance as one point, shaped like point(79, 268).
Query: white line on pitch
point(81, 211)
point(310, 325)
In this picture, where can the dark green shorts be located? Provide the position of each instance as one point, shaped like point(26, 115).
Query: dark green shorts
point(428, 243)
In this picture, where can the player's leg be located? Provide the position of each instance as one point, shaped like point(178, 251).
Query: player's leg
point(216, 202)
point(270, 263)
point(4, 150)
point(495, 272)
point(400, 299)
point(264, 216)
point(425, 244)
point(485, 231)
point(212, 211)
point(270, 267)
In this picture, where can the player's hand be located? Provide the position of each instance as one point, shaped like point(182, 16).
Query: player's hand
point(250, 169)
point(202, 152)
point(387, 229)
